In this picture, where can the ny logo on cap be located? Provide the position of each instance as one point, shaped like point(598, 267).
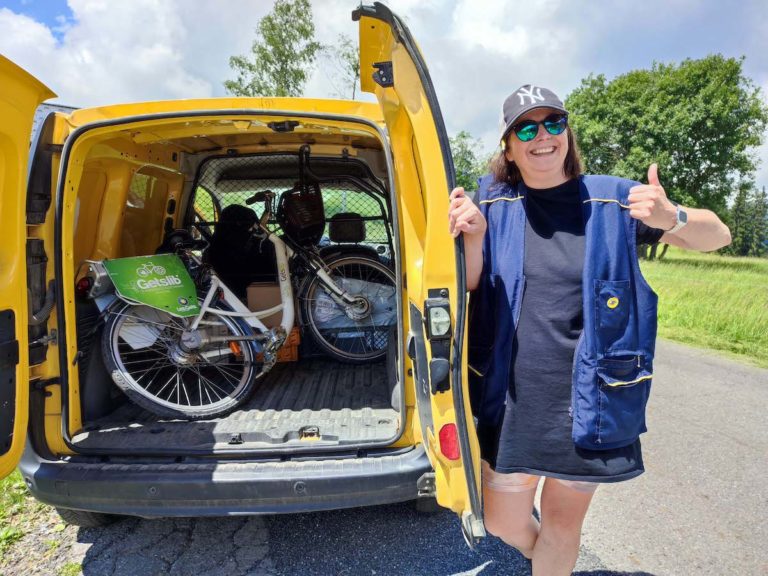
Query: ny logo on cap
point(524, 93)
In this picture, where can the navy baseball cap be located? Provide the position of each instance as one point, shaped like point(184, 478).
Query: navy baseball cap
point(525, 99)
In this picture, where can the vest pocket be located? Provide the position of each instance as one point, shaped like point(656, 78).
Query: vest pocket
point(613, 312)
point(624, 383)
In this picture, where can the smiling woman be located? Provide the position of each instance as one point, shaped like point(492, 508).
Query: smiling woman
point(561, 374)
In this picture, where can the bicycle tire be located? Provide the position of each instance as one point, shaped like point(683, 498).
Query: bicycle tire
point(211, 387)
point(346, 337)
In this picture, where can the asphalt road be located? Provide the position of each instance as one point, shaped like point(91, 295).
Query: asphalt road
point(701, 508)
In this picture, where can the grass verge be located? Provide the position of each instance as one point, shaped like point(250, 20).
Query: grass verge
point(713, 301)
point(18, 511)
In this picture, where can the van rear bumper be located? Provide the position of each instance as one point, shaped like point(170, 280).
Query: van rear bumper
point(225, 488)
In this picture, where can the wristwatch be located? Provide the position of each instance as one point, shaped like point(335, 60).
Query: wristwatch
point(682, 220)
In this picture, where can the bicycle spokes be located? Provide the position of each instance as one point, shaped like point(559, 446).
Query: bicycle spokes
point(158, 360)
point(356, 329)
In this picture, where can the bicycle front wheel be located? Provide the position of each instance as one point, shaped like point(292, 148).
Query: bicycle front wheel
point(167, 368)
point(355, 333)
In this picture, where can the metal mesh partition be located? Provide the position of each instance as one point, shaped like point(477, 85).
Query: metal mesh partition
point(354, 202)
point(232, 180)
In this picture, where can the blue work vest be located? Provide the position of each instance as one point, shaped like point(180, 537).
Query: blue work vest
point(612, 364)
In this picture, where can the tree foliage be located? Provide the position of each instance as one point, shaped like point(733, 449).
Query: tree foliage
point(343, 60)
point(281, 55)
point(469, 167)
point(748, 221)
point(700, 120)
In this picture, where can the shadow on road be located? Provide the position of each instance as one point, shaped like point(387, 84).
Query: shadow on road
point(391, 540)
point(384, 540)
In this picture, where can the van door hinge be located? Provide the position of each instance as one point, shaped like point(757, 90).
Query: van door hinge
point(383, 75)
point(41, 385)
point(472, 528)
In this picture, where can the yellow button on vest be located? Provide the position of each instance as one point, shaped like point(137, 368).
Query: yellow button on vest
point(612, 302)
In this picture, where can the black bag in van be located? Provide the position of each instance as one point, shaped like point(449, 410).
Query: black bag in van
point(301, 214)
point(238, 256)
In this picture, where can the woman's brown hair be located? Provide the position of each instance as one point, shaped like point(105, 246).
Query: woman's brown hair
point(505, 171)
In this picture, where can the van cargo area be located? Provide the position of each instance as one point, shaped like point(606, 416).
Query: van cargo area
point(316, 402)
point(310, 400)
point(237, 305)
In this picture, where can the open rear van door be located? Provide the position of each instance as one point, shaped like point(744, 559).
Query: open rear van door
point(20, 95)
point(391, 67)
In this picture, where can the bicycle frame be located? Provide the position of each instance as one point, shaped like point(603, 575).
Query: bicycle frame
point(283, 253)
point(239, 310)
point(285, 250)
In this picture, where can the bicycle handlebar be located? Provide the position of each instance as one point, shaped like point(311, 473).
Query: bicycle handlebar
point(265, 195)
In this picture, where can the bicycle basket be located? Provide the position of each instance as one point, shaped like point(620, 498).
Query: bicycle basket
point(301, 214)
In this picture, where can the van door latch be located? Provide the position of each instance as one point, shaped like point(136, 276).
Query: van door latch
point(383, 75)
point(425, 485)
point(309, 433)
point(437, 322)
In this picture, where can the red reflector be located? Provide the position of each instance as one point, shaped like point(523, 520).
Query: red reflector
point(449, 442)
point(83, 286)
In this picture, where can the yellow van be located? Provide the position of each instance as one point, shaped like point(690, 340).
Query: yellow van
point(105, 185)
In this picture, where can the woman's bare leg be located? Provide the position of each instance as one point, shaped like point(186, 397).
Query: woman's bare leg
point(563, 508)
point(508, 506)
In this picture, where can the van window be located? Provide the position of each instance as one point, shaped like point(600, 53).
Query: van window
point(205, 210)
point(144, 212)
point(224, 181)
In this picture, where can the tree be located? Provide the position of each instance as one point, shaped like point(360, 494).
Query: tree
point(748, 221)
point(465, 160)
point(760, 214)
point(281, 55)
point(700, 120)
point(344, 66)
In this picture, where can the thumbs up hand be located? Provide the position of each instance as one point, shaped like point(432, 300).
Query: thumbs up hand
point(649, 203)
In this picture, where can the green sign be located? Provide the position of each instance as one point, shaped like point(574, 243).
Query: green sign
point(160, 281)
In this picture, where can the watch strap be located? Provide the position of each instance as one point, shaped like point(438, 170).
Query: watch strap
point(681, 221)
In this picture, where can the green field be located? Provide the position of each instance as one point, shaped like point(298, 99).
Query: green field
point(713, 301)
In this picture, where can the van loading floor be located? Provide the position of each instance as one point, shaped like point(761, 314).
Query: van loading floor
point(347, 404)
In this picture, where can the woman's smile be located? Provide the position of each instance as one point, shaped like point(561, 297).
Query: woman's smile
point(540, 161)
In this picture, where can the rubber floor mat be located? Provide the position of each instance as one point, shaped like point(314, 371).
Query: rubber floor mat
point(299, 404)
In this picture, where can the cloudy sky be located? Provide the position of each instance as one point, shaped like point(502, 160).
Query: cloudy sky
point(94, 52)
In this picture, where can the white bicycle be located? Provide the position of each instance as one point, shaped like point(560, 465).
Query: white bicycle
point(192, 362)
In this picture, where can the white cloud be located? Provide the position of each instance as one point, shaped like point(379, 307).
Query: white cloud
point(487, 24)
point(22, 34)
point(143, 50)
point(478, 51)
